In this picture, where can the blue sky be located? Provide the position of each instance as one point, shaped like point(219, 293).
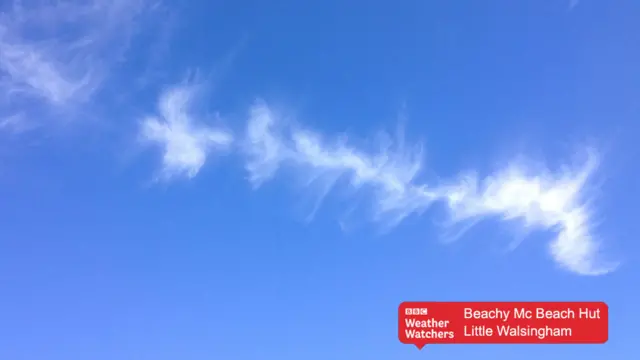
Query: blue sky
point(253, 180)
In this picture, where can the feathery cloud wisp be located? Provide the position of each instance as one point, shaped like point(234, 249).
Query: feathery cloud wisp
point(573, 4)
point(540, 200)
point(389, 173)
point(60, 52)
point(185, 143)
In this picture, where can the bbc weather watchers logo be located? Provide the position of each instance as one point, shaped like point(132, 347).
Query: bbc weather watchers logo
point(416, 311)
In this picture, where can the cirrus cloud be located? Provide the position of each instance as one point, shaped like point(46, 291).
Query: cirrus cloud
point(58, 54)
point(177, 129)
point(538, 198)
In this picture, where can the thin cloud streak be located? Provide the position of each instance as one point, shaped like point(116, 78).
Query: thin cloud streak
point(540, 199)
point(573, 4)
point(16, 124)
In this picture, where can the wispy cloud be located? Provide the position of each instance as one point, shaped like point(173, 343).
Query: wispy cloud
point(541, 199)
point(185, 141)
point(60, 52)
point(389, 173)
point(573, 4)
point(16, 123)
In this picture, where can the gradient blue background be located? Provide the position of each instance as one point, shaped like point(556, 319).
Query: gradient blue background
point(95, 264)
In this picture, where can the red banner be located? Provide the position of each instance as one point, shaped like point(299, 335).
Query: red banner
point(422, 323)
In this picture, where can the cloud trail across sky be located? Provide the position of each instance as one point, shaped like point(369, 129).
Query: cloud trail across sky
point(540, 199)
point(58, 55)
point(534, 197)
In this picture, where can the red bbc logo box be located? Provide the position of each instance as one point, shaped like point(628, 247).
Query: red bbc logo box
point(421, 323)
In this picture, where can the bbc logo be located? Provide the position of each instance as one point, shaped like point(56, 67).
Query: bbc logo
point(416, 311)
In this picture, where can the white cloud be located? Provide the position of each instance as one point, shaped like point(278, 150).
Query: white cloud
point(540, 199)
point(573, 4)
point(185, 143)
point(16, 123)
point(388, 172)
point(264, 147)
point(60, 52)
